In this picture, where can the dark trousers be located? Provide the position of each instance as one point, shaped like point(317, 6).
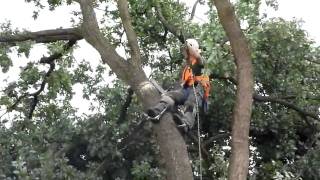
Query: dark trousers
point(183, 96)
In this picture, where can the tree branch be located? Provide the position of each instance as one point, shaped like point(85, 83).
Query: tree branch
point(172, 28)
point(215, 137)
point(48, 60)
point(313, 61)
point(92, 34)
point(259, 98)
point(224, 77)
point(194, 10)
point(44, 36)
point(124, 108)
point(271, 99)
point(35, 95)
point(239, 159)
point(130, 33)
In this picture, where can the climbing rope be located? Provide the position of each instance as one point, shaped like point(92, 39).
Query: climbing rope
point(199, 135)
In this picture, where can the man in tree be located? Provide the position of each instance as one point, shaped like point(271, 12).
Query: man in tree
point(189, 94)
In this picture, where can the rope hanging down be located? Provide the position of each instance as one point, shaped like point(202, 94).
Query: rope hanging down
point(199, 135)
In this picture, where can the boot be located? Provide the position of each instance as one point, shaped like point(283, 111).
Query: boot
point(156, 112)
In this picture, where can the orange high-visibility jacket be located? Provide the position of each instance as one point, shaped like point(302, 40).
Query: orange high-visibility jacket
point(189, 78)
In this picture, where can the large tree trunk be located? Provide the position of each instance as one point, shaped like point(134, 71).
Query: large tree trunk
point(174, 157)
point(239, 160)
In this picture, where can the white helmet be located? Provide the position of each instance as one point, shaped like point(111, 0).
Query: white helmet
point(193, 47)
point(192, 43)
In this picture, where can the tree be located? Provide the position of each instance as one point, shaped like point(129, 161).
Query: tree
point(46, 138)
point(172, 147)
point(239, 160)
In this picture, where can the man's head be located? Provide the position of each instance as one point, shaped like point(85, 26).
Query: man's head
point(192, 47)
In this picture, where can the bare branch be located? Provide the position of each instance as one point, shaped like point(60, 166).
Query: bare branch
point(44, 36)
point(131, 35)
point(172, 28)
point(194, 10)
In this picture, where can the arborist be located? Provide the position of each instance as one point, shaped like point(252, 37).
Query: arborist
point(193, 84)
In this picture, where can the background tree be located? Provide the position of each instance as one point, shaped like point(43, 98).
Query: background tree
point(239, 160)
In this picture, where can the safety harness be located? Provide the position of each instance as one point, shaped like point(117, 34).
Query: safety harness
point(190, 78)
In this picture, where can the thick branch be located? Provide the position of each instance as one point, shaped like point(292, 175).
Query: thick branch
point(173, 29)
point(173, 152)
point(44, 36)
point(92, 34)
point(239, 160)
point(131, 35)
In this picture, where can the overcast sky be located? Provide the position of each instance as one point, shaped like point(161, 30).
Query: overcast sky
point(20, 15)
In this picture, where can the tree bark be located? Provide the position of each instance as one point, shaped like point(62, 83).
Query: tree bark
point(173, 150)
point(239, 160)
point(44, 36)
